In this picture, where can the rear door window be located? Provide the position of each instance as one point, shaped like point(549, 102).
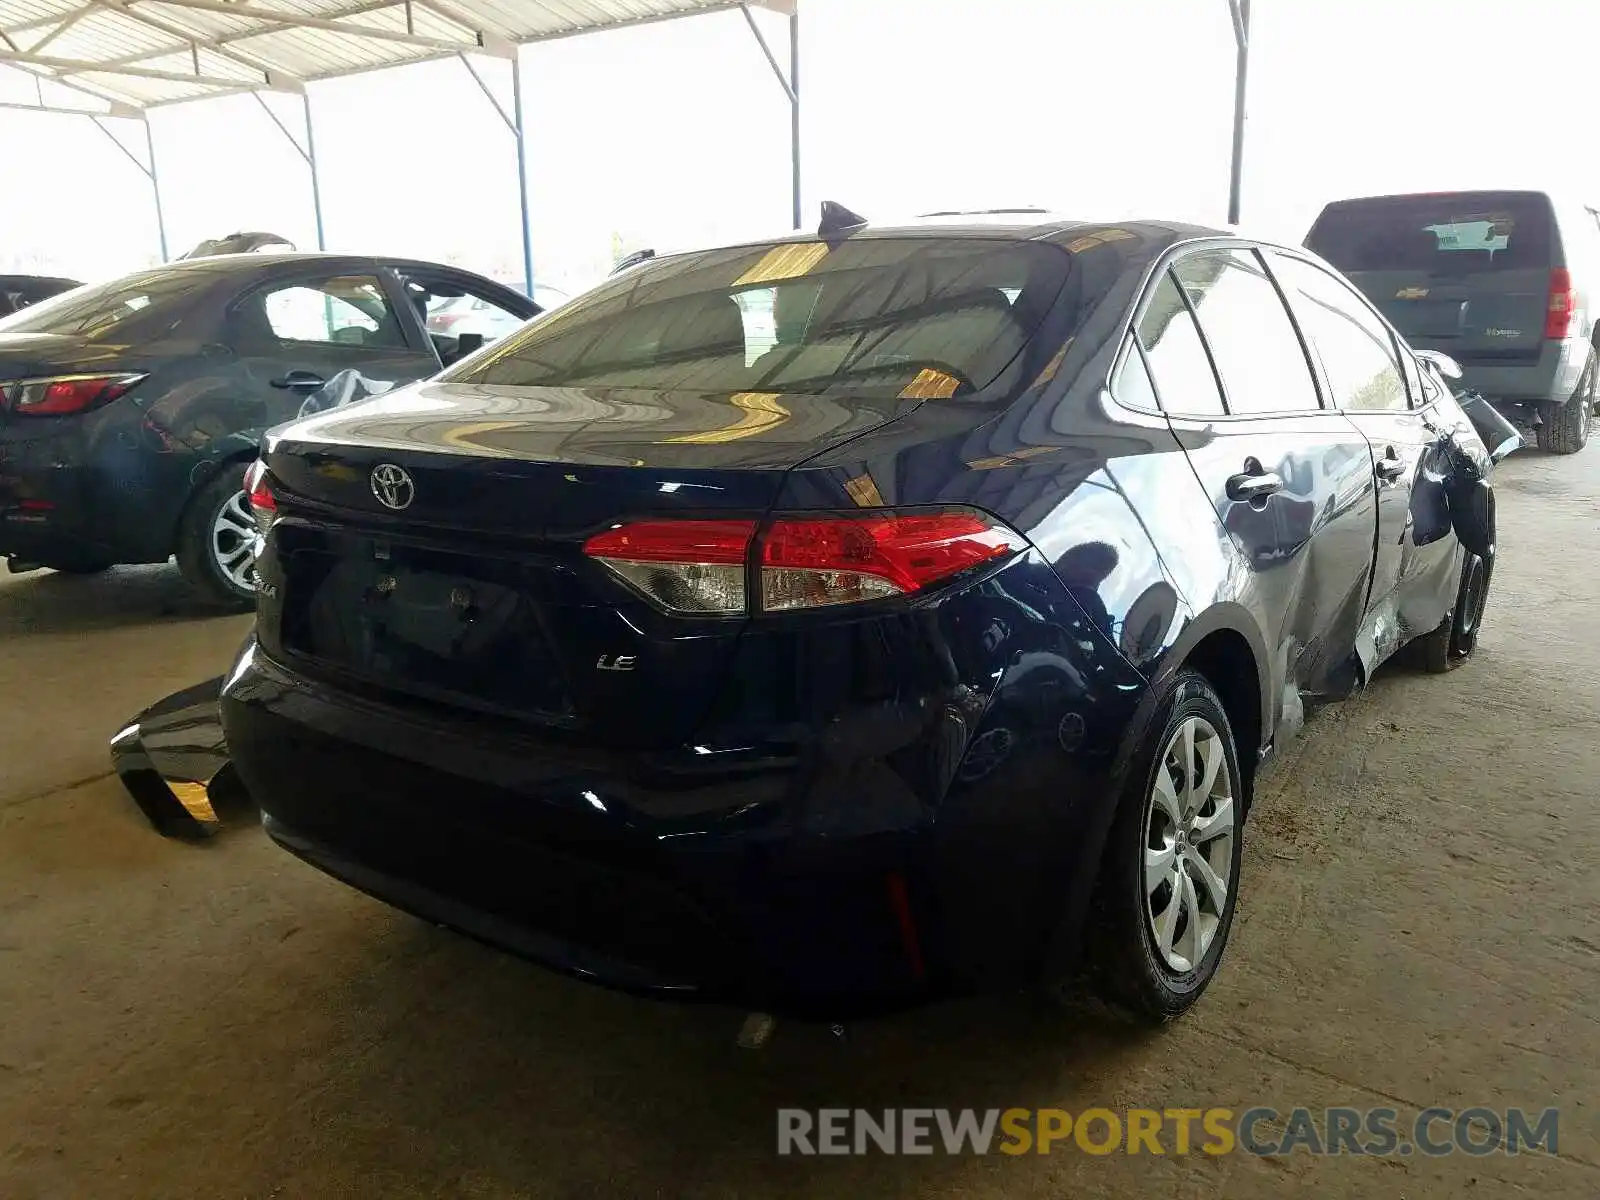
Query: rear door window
point(1445, 234)
point(1358, 352)
point(347, 310)
point(1257, 351)
point(1178, 360)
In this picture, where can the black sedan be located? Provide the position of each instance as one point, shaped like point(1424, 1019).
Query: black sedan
point(838, 621)
point(129, 409)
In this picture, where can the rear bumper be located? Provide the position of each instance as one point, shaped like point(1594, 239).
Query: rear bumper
point(870, 871)
point(83, 488)
point(566, 866)
point(44, 514)
point(48, 538)
point(1553, 377)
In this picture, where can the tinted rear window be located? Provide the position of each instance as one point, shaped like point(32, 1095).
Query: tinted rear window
point(923, 318)
point(114, 309)
point(1467, 231)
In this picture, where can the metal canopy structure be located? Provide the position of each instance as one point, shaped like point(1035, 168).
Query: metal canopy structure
point(117, 59)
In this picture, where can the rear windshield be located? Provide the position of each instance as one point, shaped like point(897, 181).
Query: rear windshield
point(916, 317)
point(107, 308)
point(1446, 234)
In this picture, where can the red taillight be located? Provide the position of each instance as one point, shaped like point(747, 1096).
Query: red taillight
point(263, 504)
point(805, 561)
point(809, 561)
point(686, 566)
point(711, 542)
point(63, 395)
point(1562, 306)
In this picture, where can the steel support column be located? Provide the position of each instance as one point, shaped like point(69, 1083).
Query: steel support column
point(794, 112)
point(311, 163)
point(522, 170)
point(147, 168)
point(308, 152)
point(791, 89)
point(155, 187)
point(1241, 78)
point(514, 123)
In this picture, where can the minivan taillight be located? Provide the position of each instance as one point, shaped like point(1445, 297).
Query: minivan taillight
point(258, 491)
point(63, 395)
point(804, 560)
point(1562, 305)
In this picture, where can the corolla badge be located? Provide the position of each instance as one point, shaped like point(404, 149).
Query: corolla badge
point(392, 486)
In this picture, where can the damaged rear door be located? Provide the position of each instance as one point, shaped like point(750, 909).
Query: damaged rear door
point(1379, 386)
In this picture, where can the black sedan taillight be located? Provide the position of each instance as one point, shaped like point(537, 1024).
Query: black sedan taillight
point(805, 560)
point(64, 395)
point(258, 490)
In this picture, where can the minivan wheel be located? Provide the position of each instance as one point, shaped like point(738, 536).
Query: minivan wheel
point(216, 542)
point(1168, 883)
point(1564, 428)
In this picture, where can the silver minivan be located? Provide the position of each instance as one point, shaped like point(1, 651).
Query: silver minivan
point(1505, 282)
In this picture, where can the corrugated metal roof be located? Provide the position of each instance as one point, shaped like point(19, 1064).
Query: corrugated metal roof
point(148, 52)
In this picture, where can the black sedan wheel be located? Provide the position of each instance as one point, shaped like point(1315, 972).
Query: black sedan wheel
point(1453, 643)
point(216, 542)
point(1169, 881)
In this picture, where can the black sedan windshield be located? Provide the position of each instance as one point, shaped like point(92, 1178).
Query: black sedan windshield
point(921, 317)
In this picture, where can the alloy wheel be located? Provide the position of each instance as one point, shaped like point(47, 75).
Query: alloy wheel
point(1190, 825)
point(233, 538)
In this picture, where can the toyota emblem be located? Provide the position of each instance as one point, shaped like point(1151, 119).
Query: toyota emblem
point(392, 486)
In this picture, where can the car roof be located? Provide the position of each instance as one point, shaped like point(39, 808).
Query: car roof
point(1448, 193)
point(1022, 226)
point(283, 257)
point(1153, 235)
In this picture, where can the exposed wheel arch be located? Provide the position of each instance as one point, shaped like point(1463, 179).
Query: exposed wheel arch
point(1225, 658)
point(1224, 643)
point(239, 449)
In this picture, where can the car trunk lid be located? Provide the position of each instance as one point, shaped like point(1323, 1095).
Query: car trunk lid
point(430, 544)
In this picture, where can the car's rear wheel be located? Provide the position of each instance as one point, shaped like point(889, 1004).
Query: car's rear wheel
point(216, 541)
point(1564, 428)
point(1168, 884)
point(1454, 642)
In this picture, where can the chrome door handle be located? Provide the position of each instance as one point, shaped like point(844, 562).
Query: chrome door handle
point(1256, 485)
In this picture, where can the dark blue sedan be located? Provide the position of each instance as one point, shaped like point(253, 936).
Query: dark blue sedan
point(833, 622)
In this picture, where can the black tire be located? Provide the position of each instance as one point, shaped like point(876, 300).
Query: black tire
point(1127, 964)
point(1564, 428)
point(197, 556)
point(1453, 643)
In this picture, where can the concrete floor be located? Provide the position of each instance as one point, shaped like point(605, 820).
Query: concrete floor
point(1418, 927)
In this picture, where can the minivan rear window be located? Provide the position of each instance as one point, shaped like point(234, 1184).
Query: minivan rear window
point(922, 318)
point(1437, 234)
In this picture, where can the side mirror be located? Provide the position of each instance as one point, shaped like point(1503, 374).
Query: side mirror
point(1447, 367)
